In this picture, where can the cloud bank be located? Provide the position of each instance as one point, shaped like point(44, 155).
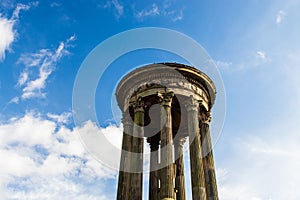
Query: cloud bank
point(41, 159)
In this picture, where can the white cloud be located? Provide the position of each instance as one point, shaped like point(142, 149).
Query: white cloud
point(45, 61)
point(280, 16)
point(22, 132)
point(55, 188)
point(8, 33)
point(102, 143)
point(41, 159)
point(62, 118)
point(7, 36)
point(261, 55)
point(23, 78)
point(16, 164)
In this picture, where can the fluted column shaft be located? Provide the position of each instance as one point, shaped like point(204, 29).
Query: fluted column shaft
point(208, 160)
point(179, 162)
point(153, 179)
point(136, 179)
point(167, 172)
point(197, 173)
point(124, 174)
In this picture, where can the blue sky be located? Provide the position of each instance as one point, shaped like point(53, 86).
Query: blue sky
point(255, 45)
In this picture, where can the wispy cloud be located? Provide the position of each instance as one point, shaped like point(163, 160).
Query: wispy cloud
point(280, 16)
point(7, 28)
point(153, 11)
point(117, 6)
point(223, 64)
point(44, 61)
point(164, 9)
point(261, 55)
point(262, 58)
point(259, 161)
point(55, 4)
point(14, 100)
point(171, 11)
point(8, 4)
point(60, 119)
point(17, 10)
point(177, 16)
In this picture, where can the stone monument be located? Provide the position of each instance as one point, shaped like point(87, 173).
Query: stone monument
point(165, 104)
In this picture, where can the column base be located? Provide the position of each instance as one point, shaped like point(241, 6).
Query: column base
point(167, 199)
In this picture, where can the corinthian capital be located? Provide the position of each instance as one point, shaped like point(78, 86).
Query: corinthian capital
point(205, 117)
point(192, 104)
point(179, 141)
point(137, 104)
point(166, 98)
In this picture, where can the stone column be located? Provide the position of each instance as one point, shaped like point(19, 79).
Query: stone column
point(179, 163)
point(197, 173)
point(153, 179)
point(208, 160)
point(136, 179)
point(167, 172)
point(124, 174)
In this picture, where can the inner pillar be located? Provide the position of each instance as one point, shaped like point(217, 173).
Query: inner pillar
point(153, 179)
point(179, 163)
